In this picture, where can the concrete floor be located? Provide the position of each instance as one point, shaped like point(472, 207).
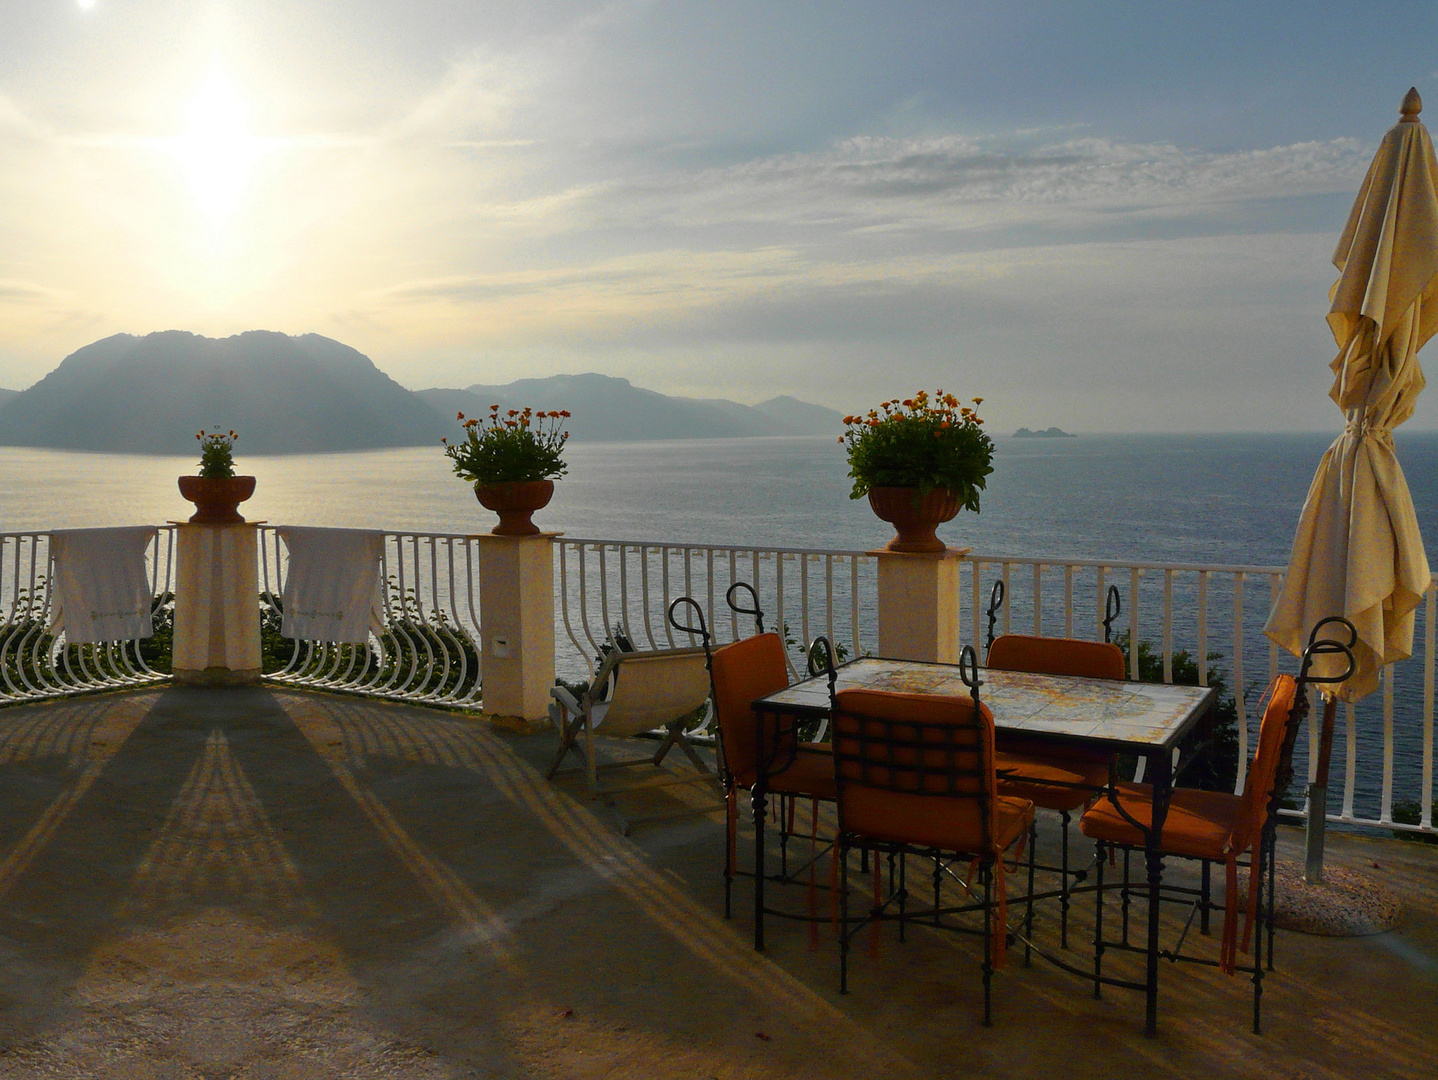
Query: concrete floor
point(265, 883)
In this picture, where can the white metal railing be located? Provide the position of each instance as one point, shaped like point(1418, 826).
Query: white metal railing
point(1209, 616)
point(36, 663)
point(604, 586)
point(428, 646)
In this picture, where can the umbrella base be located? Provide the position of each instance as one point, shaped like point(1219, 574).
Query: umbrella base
point(1343, 904)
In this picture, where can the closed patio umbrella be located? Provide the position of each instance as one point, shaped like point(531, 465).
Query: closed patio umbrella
point(1357, 551)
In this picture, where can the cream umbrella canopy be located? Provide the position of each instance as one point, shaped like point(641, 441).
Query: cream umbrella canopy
point(1357, 551)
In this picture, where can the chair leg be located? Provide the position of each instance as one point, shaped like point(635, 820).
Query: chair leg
point(1272, 873)
point(568, 734)
point(1063, 886)
point(986, 875)
point(1098, 925)
point(902, 892)
point(1205, 897)
point(786, 826)
point(1125, 897)
point(843, 916)
point(1029, 910)
point(731, 836)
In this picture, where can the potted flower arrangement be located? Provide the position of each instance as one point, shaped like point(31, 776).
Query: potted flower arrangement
point(217, 492)
point(919, 460)
point(512, 461)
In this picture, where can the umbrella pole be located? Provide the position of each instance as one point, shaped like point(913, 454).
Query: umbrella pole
point(1318, 797)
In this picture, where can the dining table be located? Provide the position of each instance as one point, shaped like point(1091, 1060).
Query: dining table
point(1149, 721)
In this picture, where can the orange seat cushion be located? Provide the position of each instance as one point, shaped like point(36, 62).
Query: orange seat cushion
point(1049, 782)
point(1200, 824)
point(923, 821)
point(811, 774)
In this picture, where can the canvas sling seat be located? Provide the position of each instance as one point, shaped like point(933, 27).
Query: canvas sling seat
point(652, 691)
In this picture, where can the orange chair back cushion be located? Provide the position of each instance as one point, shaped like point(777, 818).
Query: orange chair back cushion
point(1258, 785)
point(894, 787)
point(1057, 656)
point(743, 671)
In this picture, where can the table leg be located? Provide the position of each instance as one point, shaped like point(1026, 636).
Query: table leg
point(758, 802)
point(1160, 771)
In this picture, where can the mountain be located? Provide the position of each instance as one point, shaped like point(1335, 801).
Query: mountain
point(801, 417)
point(283, 394)
point(310, 394)
point(607, 409)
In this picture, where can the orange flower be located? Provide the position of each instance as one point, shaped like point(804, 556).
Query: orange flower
point(459, 416)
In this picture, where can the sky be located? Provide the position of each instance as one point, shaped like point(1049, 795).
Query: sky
point(1104, 216)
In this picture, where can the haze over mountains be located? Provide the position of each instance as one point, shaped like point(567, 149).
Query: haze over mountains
point(606, 409)
point(309, 394)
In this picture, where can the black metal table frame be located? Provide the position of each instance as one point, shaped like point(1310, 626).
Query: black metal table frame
point(1158, 772)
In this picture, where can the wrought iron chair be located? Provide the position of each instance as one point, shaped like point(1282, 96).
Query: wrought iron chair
point(1057, 778)
point(914, 774)
point(660, 689)
point(759, 754)
point(1218, 827)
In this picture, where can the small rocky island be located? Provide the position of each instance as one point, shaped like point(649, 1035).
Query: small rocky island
point(1046, 433)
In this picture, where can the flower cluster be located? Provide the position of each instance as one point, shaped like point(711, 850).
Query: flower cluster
point(920, 442)
point(217, 458)
point(522, 444)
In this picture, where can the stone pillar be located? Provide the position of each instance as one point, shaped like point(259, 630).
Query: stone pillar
point(516, 618)
point(919, 605)
point(217, 605)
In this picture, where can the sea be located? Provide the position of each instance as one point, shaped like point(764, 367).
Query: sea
point(1231, 499)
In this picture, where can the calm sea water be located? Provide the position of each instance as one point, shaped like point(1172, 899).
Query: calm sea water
point(1169, 498)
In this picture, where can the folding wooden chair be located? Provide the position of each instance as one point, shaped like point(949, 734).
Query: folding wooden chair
point(654, 690)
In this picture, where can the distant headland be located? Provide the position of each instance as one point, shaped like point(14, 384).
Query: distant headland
point(310, 394)
point(1046, 433)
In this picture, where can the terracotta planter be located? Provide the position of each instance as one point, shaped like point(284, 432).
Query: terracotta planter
point(514, 502)
point(217, 498)
point(914, 517)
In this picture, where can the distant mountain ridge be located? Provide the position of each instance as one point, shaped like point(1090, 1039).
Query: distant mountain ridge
point(149, 395)
point(608, 409)
point(311, 394)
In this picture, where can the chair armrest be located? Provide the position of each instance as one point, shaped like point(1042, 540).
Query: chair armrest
point(566, 699)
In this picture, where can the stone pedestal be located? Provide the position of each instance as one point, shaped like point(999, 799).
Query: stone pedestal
point(217, 610)
point(919, 605)
point(516, 617)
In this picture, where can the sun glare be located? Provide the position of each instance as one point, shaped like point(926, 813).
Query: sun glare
point(216, 152)
point(86, 5)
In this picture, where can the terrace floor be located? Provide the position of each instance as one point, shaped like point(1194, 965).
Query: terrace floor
point(266, 883)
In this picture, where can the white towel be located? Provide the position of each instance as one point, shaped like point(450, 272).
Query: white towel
point(332, 590)
point(101, 587)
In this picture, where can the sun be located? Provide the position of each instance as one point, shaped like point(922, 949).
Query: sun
point(216, 151)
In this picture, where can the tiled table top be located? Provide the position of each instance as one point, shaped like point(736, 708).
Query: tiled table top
point(1142, 717)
